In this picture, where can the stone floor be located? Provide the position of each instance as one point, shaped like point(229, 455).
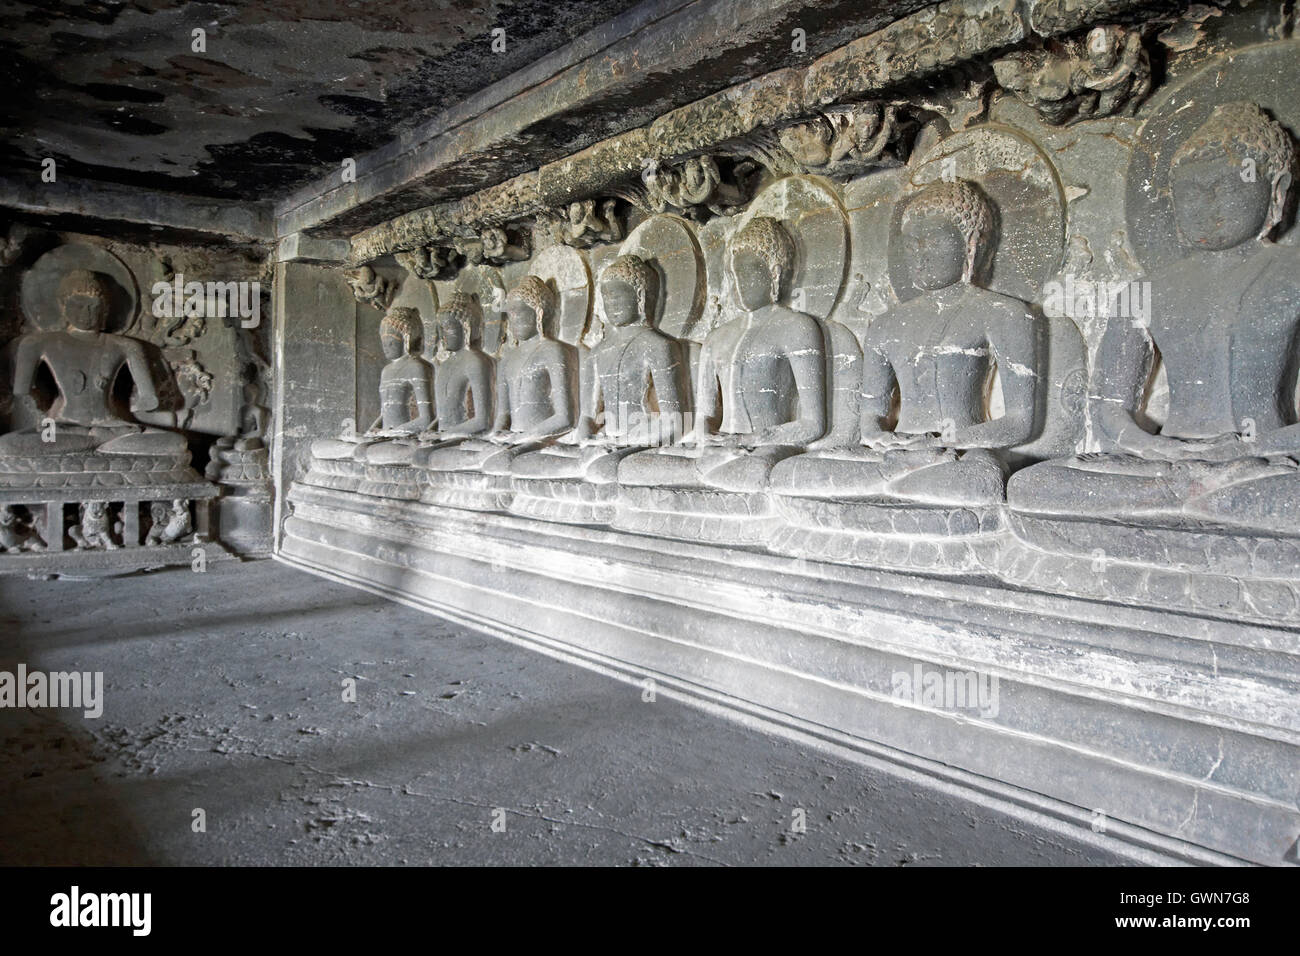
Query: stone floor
point(223, 691)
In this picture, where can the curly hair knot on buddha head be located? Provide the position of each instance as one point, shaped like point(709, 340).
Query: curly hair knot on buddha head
point(402, 322)
point(641, 276)
point(537, 294)
point(1242, 129)
point(962, 204)
point(766, 238)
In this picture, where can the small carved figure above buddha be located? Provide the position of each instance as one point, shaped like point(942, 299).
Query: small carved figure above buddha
point(1107, 73)
point(697, 187)
point(370, 287)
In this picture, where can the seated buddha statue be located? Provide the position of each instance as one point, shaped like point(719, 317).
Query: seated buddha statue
point(405, 393)
point(84, 362)
point(535, 399)
point(760, 393)
point(631, 384)
point(937, 351)
point(1223, 320)
point(463, 383)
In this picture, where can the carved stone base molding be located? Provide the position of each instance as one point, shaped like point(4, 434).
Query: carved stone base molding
point(697, 514)
point(948, 540)
point(1220, 572)
point(108, 531)
point(563, 499)
point(1179, 732)
point(1207, 570)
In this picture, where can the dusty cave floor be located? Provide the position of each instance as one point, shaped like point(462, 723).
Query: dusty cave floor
point(223, 691)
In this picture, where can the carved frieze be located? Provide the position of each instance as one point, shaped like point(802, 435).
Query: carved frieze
point(1106, 73)
point(856, 295)
point(845, 141)
point(584, 222)
point(677, 149)
point(370, 287)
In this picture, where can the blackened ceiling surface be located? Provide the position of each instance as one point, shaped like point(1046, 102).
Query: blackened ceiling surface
point(283, 91)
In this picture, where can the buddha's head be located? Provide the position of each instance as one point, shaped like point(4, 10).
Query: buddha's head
point(1229, 181)
point(628, 287)
point(1103, 46)
point(761, 259)
point(457, 321)
point(399, 332)
point(946, 229)
point(84, 300)
point(529, 308)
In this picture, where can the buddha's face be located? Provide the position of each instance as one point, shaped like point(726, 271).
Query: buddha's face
point(521, 319)
point(85, 313)
point(752, 280)
point(622, 307)
point(935, 252)
point(450, 332)
point(392, 344)
point(1103, 48)
point(1214, 206)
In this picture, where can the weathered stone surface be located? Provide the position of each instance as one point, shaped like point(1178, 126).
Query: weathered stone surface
point(911, 49)
point(914, 47)
point(887, 308)
point(951, 345)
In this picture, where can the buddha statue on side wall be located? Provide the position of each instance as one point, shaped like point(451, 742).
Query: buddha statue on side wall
point(1223, 321)
point(937, 352)
point(760, 393)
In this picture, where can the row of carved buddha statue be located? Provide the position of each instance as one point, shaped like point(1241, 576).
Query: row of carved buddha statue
point(757, 417)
